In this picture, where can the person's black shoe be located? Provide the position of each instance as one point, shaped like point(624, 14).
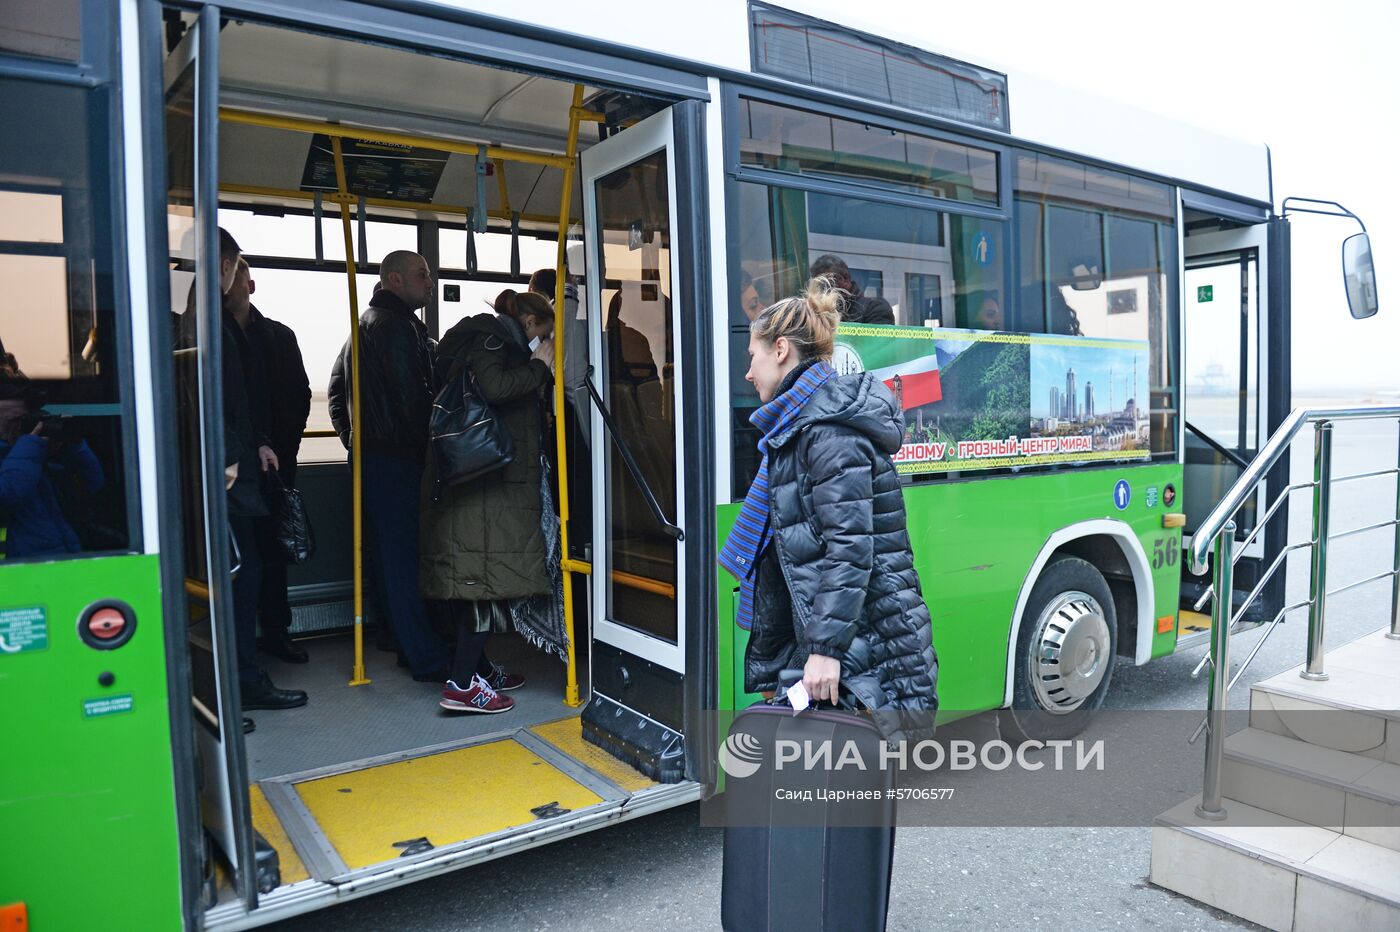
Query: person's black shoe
point(263, 695)
point(249, 726)
point(282, 647)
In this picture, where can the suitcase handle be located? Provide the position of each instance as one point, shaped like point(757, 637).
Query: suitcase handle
point(790, 678)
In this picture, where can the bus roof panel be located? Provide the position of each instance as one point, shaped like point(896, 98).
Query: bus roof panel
point(714, 38)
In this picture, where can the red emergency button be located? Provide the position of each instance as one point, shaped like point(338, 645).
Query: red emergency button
point(106, 623)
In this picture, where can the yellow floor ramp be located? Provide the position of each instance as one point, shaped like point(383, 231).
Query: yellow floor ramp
point(1190, 622)
point(342, 821)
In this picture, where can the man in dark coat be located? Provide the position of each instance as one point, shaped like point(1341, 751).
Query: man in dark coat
point(249, 454)
point(857, 308)
point(396, 390)
point(281, 400)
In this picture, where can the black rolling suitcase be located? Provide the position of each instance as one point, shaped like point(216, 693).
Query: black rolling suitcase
point(799, 862)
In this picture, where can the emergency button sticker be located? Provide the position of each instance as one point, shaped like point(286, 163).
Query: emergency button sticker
point(23, 630)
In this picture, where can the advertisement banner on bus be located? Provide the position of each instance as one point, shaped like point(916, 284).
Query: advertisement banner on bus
point(977, 399)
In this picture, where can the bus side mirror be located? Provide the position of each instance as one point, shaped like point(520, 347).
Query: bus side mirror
point(1085, 277)
point(1359, 275)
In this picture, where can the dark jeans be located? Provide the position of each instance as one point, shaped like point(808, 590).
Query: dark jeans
point(245, 597)
point(391, 487)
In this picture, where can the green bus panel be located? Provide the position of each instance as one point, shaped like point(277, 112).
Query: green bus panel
point(88, 835)
point(974, 543)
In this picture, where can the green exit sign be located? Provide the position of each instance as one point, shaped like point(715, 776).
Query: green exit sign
point(1205, 293)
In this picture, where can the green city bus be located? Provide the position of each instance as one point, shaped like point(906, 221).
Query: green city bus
point(1088, 331)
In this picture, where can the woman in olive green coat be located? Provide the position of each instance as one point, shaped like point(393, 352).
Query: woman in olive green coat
point(481, 544)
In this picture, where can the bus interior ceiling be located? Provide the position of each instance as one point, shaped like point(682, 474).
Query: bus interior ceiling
point(360, 768)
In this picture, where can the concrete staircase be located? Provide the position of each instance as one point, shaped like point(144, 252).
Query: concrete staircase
point(1312, 792)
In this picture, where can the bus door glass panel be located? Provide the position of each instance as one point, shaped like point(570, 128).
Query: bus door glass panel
point(210, 558)
point(628, 203)
point(1220, 306)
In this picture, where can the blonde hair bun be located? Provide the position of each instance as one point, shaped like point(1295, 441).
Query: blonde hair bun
point(808, 321)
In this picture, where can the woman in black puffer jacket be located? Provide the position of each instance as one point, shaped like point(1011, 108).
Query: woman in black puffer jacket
point(821, 546)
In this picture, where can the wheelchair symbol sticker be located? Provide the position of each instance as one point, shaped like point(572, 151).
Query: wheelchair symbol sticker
point(1122, 494)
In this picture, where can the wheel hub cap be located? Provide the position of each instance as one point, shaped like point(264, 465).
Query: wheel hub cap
point(1072, 651)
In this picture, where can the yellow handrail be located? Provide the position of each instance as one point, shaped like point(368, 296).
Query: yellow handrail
point(254, 190)
point(644, 583)
point(561, 444)
point(341, 131)
point(357, 674)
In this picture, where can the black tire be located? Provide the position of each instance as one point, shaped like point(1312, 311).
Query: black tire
point(1069, 609)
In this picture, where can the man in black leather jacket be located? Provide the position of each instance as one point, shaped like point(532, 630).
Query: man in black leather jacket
point(856, 308)
point(397, 394)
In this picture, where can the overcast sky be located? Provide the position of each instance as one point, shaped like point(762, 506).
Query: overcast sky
point(1319, 83)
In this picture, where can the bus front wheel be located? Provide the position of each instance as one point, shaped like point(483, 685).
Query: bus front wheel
point(1064, 653)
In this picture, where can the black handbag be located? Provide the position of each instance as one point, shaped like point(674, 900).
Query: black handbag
point(468, 440)
point(291, 526)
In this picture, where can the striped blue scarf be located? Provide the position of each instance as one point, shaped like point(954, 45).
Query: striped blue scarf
point(751, 529)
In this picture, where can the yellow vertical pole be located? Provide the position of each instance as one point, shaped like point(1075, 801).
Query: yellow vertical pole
point(561, 327)
point(357, 675)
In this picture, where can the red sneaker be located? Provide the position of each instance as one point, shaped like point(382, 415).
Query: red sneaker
point(501, 681)
point(478, 697)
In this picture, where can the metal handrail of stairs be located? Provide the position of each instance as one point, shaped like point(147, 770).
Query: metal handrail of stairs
point(1217, 534)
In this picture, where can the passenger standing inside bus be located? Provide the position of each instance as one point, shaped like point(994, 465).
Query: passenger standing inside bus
point(836, 594)
point(245, 432)
point(282, 398)
point(396, 390)
point(856, 308)
point(482, 544)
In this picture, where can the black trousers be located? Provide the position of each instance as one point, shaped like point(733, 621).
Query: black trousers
point(274, 613)
point(470, 654)
point(246, 586)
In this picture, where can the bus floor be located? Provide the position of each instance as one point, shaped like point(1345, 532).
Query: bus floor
point(366, 775)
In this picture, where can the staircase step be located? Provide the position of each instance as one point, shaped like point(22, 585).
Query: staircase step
point(1349, 793)
point(1357, 710)
point(1276, 871)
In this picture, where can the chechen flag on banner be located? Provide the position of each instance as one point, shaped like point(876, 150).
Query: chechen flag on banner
point(914, 383)
point(904, 358)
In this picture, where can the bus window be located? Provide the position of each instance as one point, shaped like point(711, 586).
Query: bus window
point(492, 256)
point(799, 141)
point(1096, 254)
point(311, 299)
point(930, 268)
point(60, 386)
